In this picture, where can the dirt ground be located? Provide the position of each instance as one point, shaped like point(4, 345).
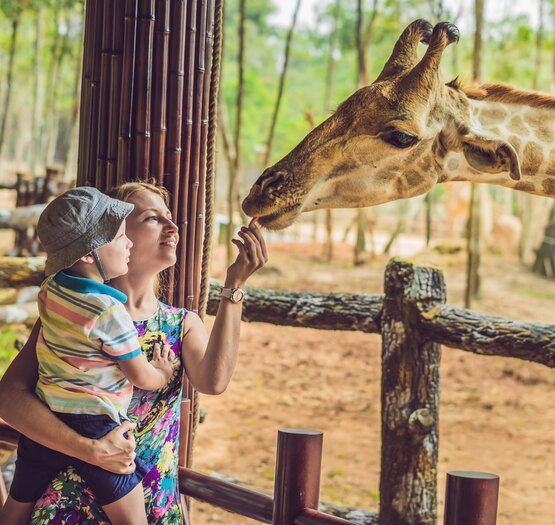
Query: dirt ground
point(497, 414)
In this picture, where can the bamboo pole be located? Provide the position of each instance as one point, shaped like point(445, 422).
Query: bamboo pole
point(104, 89)
point(187, 122)
point(81, 158)
point(191, 301)
point(116, 61)
point(186, 282)
point(202, 224)
point(124, 164)
point(175, 111)
point(159, 88)
point(143, 89)
point(94, 91)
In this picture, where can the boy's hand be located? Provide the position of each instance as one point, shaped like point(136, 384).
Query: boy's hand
point(164, 360)
point(252, 255)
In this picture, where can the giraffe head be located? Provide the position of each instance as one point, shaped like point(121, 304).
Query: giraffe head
point(387, 141)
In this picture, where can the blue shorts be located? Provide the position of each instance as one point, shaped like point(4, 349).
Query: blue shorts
point(37, 466)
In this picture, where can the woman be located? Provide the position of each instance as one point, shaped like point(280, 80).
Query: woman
point(209, 363)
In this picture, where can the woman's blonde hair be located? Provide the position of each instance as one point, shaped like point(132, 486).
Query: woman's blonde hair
point(124, 192)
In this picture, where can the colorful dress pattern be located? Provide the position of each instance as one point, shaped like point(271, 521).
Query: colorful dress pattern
point(67, 501)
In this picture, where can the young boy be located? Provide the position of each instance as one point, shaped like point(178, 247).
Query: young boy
point(88, 352)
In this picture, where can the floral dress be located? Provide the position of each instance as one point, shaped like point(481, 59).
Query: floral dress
point(67, 501)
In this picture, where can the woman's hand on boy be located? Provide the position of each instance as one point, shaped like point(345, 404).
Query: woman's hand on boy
point(252, 255)
point(115, 451)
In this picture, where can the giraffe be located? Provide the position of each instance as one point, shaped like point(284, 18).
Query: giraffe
point(407, 131)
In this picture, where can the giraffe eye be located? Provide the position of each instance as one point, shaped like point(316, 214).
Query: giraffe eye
point(400, 139)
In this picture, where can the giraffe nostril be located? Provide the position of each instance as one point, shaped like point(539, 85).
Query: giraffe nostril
point(270, 180)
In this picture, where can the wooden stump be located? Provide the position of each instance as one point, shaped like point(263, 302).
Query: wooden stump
point(410, 396)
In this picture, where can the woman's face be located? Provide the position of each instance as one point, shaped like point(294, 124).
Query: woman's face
point(153, 233)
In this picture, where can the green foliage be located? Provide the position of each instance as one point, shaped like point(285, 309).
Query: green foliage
point(8, 336)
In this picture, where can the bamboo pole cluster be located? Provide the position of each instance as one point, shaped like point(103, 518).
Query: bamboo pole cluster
point(145, 112)
point(148, 103)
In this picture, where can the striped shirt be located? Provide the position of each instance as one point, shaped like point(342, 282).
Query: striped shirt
point(85, 332)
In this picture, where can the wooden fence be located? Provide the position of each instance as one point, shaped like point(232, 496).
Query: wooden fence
point(413, 319)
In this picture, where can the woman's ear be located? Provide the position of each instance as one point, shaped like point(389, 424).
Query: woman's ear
point(491, 155)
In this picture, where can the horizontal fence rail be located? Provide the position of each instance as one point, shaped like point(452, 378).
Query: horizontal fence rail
point(448, 325)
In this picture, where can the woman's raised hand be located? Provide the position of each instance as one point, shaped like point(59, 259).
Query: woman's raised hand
point(252, 255)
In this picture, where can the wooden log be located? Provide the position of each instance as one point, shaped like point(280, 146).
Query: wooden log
point(356, 312)
point(409, 396)
point(490, 335)
point(21, 218)
point(18, 313)
point(453, 327)
point(16, 272)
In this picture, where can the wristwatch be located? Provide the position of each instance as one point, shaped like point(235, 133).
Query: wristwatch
point(235, 295)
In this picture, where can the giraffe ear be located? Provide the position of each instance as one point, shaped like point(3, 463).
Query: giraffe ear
point(491, 155)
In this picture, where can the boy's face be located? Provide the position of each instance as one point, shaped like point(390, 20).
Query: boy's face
point(115, 255)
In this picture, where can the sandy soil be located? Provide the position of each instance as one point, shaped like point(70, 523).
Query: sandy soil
point(497, 414)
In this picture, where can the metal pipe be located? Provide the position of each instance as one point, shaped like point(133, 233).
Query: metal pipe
point(298, 464)
point(471, 498)
point(228, 496)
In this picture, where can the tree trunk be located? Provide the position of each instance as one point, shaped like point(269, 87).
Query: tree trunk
point(362, 37)
point(330, 78)
point(545, 255)
point(52, 117)
point(9, 77)
point(528, 211)
point(69, 159)
point(37, 95)
point(473, 230)
point(235, 160)
point(270, 140)
point(360, 242)
point(428, 208)
point(538, 46)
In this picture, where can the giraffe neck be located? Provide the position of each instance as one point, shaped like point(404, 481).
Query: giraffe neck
point(530, 130)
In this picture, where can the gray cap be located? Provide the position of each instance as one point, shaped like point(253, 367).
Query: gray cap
point(76, 223)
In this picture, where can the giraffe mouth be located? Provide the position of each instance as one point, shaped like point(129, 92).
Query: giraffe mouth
point(281, 219)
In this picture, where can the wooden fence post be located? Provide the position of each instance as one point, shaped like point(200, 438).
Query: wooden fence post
point(298, 463)
point(409, 396)
point(471, 498)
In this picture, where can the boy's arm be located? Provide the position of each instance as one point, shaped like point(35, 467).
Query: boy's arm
point(23, 410)
point(117, 336)
point(153, 375)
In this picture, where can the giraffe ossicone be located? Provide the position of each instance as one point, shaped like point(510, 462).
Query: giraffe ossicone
point(407, 131)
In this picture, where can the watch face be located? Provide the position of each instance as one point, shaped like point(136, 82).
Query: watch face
point(237, 295)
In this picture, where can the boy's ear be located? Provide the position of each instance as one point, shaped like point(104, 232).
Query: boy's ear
point(87, 259)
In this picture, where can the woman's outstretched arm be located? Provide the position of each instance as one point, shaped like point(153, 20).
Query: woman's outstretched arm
point(23, 410)
point(210, 361)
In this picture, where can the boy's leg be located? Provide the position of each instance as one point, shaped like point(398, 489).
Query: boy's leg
point(129, 510)
point(16, 513)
